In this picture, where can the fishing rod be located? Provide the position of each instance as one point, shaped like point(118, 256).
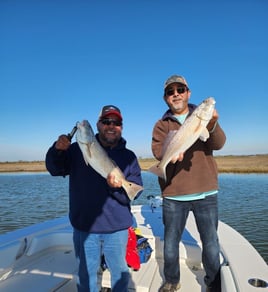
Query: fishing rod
point(71, 134)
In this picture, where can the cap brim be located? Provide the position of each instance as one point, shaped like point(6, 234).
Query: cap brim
point(112, 113)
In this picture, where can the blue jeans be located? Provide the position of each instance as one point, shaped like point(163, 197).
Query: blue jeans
point(175, 214)
point(89, 247)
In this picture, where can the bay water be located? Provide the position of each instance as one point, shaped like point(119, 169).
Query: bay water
point(29, 198)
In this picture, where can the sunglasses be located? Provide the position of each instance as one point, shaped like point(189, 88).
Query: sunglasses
point(171, 91)
point(108, 122)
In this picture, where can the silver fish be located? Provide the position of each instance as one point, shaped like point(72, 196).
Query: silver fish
point(179, 141)
point(95, 156)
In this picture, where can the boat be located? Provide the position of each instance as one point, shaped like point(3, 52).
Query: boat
point(41, 258)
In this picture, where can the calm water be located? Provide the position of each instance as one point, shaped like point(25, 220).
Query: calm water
point(27, 198)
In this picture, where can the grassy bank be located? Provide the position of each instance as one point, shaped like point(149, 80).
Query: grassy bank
point(230, 163)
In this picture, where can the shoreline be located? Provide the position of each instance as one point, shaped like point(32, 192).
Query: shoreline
point(226, 164)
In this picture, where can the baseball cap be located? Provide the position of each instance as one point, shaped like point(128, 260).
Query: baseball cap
point(109, 110)
point(175, 79)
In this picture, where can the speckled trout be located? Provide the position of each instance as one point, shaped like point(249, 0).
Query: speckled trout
point(95, 156)
point(179, 141)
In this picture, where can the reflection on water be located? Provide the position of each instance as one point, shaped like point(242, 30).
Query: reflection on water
point(28, 198)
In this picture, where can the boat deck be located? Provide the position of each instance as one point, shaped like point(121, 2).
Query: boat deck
point(41, 258)
point(150, 276)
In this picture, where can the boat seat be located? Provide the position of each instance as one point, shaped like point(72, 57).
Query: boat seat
point(12, 252)
point(48, 240)
point(50, 270)
point(43, 263)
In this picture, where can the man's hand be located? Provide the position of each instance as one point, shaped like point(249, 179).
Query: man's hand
point(113, 182)
point(177, 158)
point(63, 142)
point(213, 121)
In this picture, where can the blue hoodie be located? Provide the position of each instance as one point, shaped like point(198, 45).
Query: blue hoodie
point(94, 206)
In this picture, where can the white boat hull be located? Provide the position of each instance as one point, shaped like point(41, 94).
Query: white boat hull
point(41, 258)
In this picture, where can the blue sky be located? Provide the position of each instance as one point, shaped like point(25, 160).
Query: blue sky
point(62, 60)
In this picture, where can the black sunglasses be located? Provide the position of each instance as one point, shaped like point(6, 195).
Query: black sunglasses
point(171, 91)
point(108, 122)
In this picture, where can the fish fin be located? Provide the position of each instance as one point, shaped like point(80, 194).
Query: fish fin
point(115, 166)
point(88, 149)
point(157, 170)
point(86, 160)
point(204, 135)
point(86, 153)
point(131, 189)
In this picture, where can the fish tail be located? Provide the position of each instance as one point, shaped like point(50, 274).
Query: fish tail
point(131, 189)
point(158, 170)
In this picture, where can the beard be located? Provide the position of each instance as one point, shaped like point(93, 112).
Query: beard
point(109, 140)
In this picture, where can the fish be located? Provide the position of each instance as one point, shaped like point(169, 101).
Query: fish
point(179, 141)
point(95, 156)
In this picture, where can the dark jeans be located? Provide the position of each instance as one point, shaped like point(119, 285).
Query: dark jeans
point(175, 214)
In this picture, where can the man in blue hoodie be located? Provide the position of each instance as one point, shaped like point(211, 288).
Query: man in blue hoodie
point(99, 208)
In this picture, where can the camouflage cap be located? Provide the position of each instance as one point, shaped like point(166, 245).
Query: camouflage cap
point(109, 110)
point(175, 79)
